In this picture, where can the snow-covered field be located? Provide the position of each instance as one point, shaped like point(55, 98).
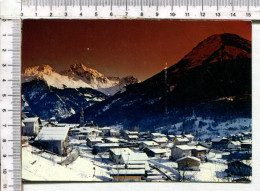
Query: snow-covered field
point(38, 167)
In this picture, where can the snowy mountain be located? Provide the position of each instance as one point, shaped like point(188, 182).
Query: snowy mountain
point(77, 76)
point(213, 81)
point(40, 99)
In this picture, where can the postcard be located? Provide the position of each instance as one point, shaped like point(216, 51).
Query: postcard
point(136, 101)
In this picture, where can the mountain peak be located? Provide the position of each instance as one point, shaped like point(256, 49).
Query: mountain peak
point(47, 69)
point(219, 46)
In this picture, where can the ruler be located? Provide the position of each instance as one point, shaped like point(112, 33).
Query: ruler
point(12, 11)
point(10, 114)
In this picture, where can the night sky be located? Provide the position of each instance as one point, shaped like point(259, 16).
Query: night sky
point(118, 47)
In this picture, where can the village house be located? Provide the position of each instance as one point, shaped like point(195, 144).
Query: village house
point(199, 152)
point(190, 137)
point(179, 151)
point(220, 143)
point(54, 139)
point(105, 130)
point(104, 147)
point(116, 154)
point(171, 137)
point(86, 132)
point(180, 140)
point(157, 135)
point(128, 173)
point(234, 145)
point(148, 144)
point(31, 126)
point(114, 133)
point(161, 141)
point(246, 145)
point(91, 141)
point(188, 163)
point(111, 140)
point(247, 135)
point(132, 138)
point(156, 152)
point(135, 159)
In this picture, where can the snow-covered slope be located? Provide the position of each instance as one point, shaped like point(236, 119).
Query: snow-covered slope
point(77, 76)
point(52, 78)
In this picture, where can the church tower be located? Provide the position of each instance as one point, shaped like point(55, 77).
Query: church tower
point(82, 117)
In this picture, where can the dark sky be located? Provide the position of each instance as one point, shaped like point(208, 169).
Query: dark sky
point(118, 47)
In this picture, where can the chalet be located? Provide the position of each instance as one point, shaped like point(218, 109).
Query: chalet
point(127, 173)
point(171, 137)
point(114, 133)
point(239, 168)
point(247, 135)
point(86, 132)
point(104, 147)
point(54, 139)
point(155, 152)
point(179, 151)
point(116, 154)
point(144, 135)
point(111, 140)
point(91, 141)
point(148, 144)
point(234, 145)
point(132, 138)
point(199, 152)
point(180, 141)
point(161, 141)
point(246, 144)
point(157, 135)
point(31, 126)
point(220, 143)
point(135, 158)
point(190, 137)
point(188, 163)
point(105, 131)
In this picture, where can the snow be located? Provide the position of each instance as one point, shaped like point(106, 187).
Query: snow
point(77, 76)
point(40, 168)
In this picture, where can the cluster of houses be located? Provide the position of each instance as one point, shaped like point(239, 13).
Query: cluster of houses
point(130, 151)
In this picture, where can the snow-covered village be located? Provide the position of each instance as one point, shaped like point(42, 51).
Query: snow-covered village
point(85, 152)
point(153, 107)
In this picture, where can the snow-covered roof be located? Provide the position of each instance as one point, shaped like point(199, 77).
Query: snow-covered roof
point(124, 172)
point(160, 140)
point(200, 148)
point(189, 136)
point(158, 135)
point(105, 128)
point(52, 134)
point(218, 139)
point(184, 147)
point(30, 119)
point(134, 157)
point(129, 166)
point(107, 145)
point(112, 139)
point(247, 141)
point(95, 139)
point(184, 139)
point(132, 132)
point(133, 136)
point(157, 151)
point(150, 143)
point(120, 151)
point(171, 136)
point(188, 157)
point(237, 143)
